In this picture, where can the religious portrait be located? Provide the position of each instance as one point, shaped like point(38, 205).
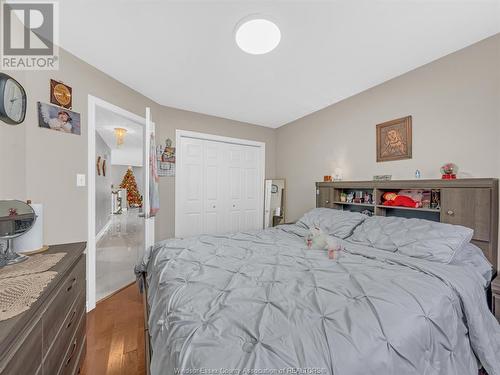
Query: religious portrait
point(394, 140)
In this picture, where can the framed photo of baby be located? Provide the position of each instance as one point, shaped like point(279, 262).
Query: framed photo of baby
point(394, 140)
point(59, 119)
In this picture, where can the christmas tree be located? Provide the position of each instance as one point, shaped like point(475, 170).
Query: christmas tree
point(134, 199)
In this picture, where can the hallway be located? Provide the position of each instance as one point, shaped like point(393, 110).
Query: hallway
point(118, 251)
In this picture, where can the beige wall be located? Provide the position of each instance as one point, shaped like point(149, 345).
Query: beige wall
point(171, 119)
point(52, 159)
point(455, 104)
point(41, 164)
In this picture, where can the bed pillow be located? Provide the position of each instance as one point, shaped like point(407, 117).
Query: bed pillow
point(334, 222)
point(413, 237)
point(473, 256)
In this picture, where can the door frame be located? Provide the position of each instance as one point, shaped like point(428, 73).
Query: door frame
point(93, 103)
point(179, 133)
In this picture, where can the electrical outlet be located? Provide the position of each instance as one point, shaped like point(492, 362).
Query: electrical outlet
point(80, 180)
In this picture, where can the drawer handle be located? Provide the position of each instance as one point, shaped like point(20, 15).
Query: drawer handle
point(73, 349)
point(71, 286)
point(327, 201)
point(71, 319)
point(450, 212)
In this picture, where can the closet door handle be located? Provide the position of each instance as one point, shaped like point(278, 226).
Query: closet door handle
point(450, 212)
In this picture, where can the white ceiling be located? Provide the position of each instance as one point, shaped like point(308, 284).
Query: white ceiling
point(182, 53)
point(107, 121)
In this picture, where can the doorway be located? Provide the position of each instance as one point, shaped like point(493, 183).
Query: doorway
point(118, 229)
point(119, 200)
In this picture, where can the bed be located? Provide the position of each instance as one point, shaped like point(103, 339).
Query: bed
point(263, 303)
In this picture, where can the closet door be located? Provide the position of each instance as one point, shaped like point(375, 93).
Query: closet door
point(235, 186)
point(214, 181)
point(252, 201)
point(245, 180)
point(191, 210)
point(219, 186)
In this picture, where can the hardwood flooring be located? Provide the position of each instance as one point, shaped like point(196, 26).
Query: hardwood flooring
point(115, 335)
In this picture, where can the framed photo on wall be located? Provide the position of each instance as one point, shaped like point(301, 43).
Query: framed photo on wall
point(394, 139)
point(59, 119)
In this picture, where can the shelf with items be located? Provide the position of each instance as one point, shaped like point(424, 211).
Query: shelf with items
point(435, 210)
point(423, 199)
point(354, 204)
point(353, 196)
point(355, 200)
point(470, 202)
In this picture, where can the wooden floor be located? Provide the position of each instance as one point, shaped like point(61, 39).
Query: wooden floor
point(115, 335)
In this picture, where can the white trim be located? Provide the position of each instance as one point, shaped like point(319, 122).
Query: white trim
point(102, 232)
point(218, 138)
point(94, 102)
point(212, 137)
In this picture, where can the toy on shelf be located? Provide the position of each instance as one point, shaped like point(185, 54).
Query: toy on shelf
point(449, 171)
point(394, 199)
point(350, 197)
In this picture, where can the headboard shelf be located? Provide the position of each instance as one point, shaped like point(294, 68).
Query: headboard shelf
point(471, 202)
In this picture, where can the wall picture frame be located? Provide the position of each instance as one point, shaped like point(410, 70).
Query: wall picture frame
point(394, 139)
point(61, 94)
point(58, 119)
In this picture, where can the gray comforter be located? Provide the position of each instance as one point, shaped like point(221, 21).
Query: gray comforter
point(261, 303)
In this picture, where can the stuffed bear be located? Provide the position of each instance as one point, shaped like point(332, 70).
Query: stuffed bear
point(318, 240)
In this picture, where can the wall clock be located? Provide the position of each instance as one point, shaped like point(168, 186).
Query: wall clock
point(12, 100)
point(61, 94)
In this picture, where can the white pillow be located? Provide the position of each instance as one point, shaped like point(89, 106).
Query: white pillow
point(416, 238)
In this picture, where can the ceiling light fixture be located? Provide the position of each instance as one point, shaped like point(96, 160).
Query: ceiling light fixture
point(120, 135)
point(257, 36)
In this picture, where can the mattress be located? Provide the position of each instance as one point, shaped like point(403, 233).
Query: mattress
point(262, 303)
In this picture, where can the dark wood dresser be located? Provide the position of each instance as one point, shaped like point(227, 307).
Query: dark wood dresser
point(50, 337)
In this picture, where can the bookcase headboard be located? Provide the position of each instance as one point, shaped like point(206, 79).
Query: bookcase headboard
point(471, 202)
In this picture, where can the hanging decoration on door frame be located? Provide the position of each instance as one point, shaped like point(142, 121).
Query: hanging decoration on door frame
point(165, 154)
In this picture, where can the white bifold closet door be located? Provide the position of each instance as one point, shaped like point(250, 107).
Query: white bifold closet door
point(219, 187)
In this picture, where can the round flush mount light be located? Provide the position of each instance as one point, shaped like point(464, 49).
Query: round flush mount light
point(256, 35)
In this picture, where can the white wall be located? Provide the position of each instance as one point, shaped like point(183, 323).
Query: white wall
point(127, 156)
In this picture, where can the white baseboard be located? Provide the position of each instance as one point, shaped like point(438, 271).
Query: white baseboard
point(103, 230)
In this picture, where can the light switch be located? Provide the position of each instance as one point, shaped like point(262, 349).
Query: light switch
point(80, 180)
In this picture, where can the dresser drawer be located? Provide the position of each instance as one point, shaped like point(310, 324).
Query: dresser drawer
point(62, 341)
point(59, 307)
point(72, 357)
point(26, 357)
